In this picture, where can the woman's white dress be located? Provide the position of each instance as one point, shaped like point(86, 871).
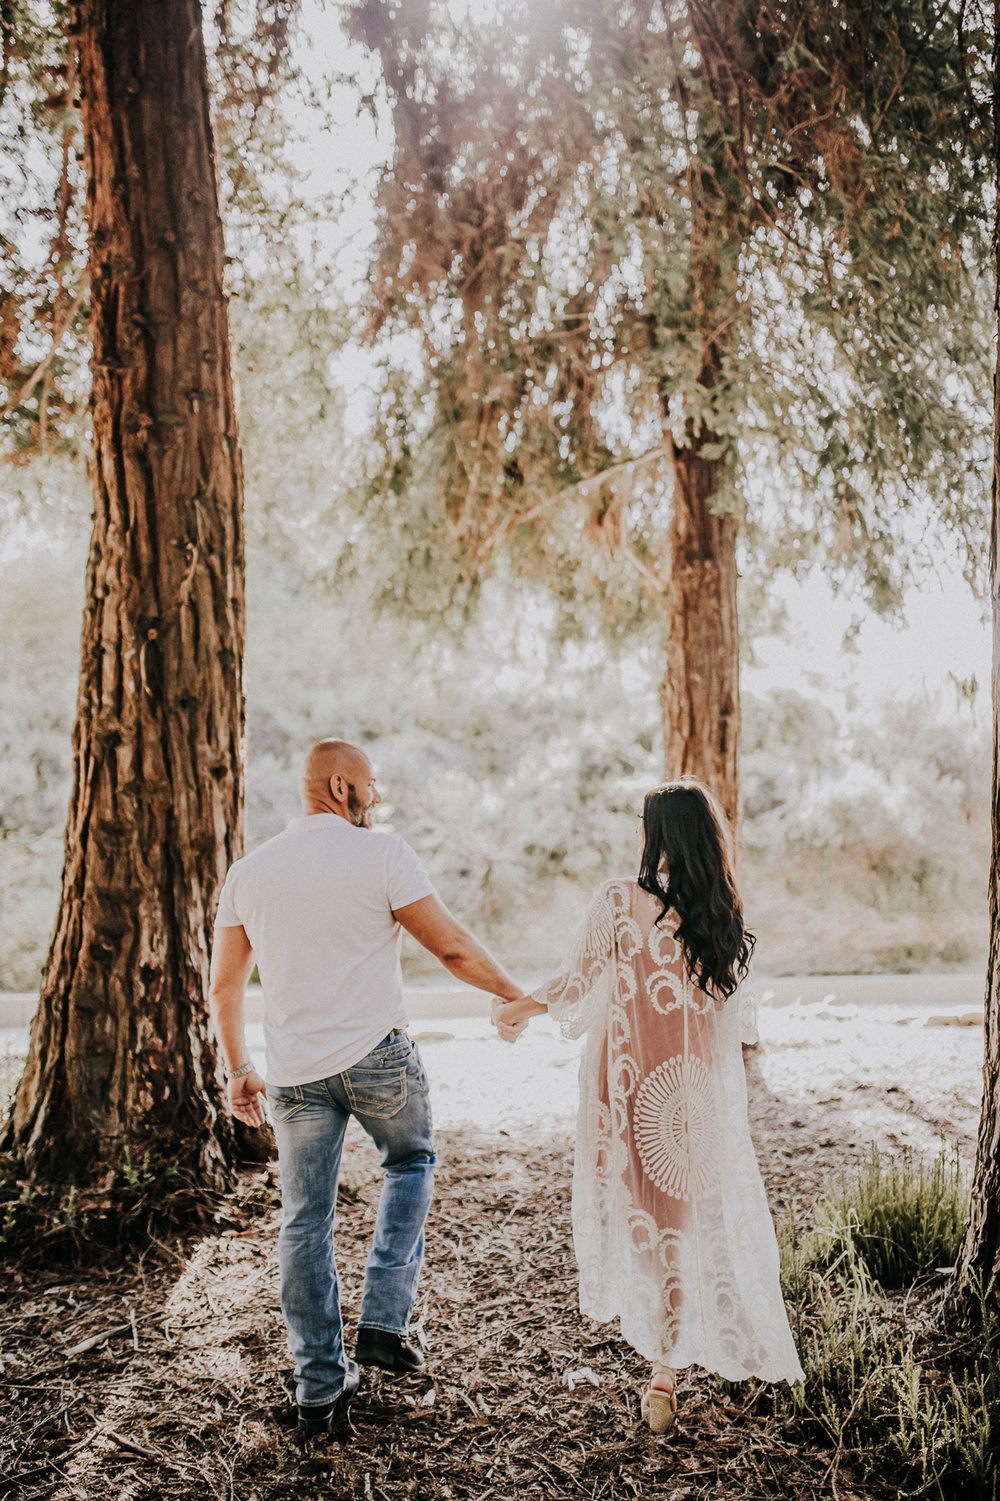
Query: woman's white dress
point(670, 1220)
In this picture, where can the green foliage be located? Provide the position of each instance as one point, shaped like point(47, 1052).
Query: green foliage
point(609, 233)
point(866, 832)
point(513, 757)
point(514, 763)
point(897, 1218)
point(902, 1401)
point(43, 337)
point(143, 1184)
point(141, 1194)
point(297, 460)
point(257, 92)
point(40, 623)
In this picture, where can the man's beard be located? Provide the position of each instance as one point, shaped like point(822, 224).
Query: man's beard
point(361, 816)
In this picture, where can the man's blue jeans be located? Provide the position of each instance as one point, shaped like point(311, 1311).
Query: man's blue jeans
point(387, 1091)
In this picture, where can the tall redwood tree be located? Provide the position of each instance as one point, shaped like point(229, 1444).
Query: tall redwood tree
point(120, 1055)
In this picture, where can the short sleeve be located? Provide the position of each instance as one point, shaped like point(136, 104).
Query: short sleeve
point(227, 916)
point(406, 879)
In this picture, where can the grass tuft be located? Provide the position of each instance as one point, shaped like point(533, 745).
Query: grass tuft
point(885, 1387)
point(900, 1217)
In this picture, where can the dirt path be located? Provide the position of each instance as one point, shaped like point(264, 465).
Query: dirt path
point(162, 1379)
point(827, 1082)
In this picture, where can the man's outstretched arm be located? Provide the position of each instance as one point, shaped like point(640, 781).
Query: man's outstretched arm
point(432, 925)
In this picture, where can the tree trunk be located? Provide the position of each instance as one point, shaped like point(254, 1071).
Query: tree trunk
point(700, 693)
point(120, 1054)
point(979, 1261)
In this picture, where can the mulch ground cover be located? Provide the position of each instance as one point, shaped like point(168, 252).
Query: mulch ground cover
point(162, 1377)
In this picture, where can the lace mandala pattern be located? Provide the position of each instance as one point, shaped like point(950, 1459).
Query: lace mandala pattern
point(671, 1226)
point(675, 1129)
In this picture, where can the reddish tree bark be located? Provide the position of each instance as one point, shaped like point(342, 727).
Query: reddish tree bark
point(120, 1054)
point(700, 693)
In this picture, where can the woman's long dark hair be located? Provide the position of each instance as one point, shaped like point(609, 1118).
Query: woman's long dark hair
point(685, 832)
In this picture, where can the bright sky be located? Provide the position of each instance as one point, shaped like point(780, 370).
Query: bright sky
point(943, 636)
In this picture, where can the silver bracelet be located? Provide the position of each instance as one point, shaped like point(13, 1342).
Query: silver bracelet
point(240, 1073)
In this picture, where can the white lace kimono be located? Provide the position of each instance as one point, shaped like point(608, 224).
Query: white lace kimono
point(670, 1220)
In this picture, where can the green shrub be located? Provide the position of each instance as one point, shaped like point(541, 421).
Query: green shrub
point(898, 1217)
point(897, 1397)
point(144, 1195)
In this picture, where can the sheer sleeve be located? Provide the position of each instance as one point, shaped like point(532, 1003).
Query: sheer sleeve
point(578, 993)
point(748, 1003)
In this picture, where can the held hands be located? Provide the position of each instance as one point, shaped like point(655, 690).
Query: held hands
point(245, 1098)
point(511, 1017)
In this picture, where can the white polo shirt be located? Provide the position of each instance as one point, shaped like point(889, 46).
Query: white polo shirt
point(317, 904)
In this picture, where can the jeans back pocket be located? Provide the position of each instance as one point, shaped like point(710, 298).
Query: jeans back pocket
point(375, 1091)
point(286, 1101)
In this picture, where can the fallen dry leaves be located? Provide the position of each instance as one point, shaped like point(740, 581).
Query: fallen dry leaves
point(162, 1378)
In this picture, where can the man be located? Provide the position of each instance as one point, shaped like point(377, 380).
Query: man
point(319, 909)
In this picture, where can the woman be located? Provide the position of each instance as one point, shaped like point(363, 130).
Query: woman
point(670, 1221)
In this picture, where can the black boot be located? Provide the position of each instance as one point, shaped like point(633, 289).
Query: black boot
point(393, 1352)
point(316, 1417)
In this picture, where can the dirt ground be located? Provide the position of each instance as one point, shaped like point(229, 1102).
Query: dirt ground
point(162, 1378)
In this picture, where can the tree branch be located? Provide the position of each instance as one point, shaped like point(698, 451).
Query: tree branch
point(41, 370)
point(558, 496)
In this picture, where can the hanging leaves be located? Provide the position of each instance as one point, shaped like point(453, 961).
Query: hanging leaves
point(44, 302)
point(749, 229)
point(43, 289)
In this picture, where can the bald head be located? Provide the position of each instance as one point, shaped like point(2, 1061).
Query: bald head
point(337, 777)
point(332, 758)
